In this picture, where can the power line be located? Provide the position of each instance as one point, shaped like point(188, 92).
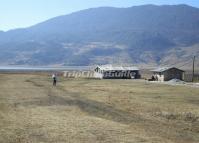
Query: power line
point(169, 65)
point(185, 64)
point(177, 63)
point(174, 63)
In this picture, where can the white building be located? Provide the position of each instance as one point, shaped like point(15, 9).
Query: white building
point(116, 72)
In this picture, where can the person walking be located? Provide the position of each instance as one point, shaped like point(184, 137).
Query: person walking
point(54, 77)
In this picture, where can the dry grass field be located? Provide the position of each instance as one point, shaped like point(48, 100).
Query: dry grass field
point(95, 111)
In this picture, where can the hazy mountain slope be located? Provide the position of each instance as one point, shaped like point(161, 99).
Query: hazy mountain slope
point(141, 34)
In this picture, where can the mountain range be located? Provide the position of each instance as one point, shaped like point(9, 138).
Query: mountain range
point(140, 35)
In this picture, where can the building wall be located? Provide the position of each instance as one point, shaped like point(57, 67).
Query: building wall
point(173, 73)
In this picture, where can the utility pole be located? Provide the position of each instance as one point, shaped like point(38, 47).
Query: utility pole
point(193, 68)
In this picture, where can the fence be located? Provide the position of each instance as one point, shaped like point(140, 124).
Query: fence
point(188, 77)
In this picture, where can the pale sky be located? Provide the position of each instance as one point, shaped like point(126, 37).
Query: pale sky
point(24, 13)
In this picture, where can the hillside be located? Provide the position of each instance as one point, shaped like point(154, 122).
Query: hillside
point(145, 34)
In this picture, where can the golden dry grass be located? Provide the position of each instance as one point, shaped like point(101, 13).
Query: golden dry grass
point(88, 110)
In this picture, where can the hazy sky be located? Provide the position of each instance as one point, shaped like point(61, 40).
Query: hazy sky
point(24, 13)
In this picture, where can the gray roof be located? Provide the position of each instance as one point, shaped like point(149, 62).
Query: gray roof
point(162, 69)
point(111, 68)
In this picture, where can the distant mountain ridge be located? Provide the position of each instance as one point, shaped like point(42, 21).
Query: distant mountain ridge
point(147, 34)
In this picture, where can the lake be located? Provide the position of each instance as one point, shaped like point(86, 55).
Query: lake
point(43, 68)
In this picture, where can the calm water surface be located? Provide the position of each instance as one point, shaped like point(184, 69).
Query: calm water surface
point(42, 68)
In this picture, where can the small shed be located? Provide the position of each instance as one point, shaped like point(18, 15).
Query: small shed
point(167, 73)
point(116, 72)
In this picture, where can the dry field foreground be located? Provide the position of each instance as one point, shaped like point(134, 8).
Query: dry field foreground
point(95, 111)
